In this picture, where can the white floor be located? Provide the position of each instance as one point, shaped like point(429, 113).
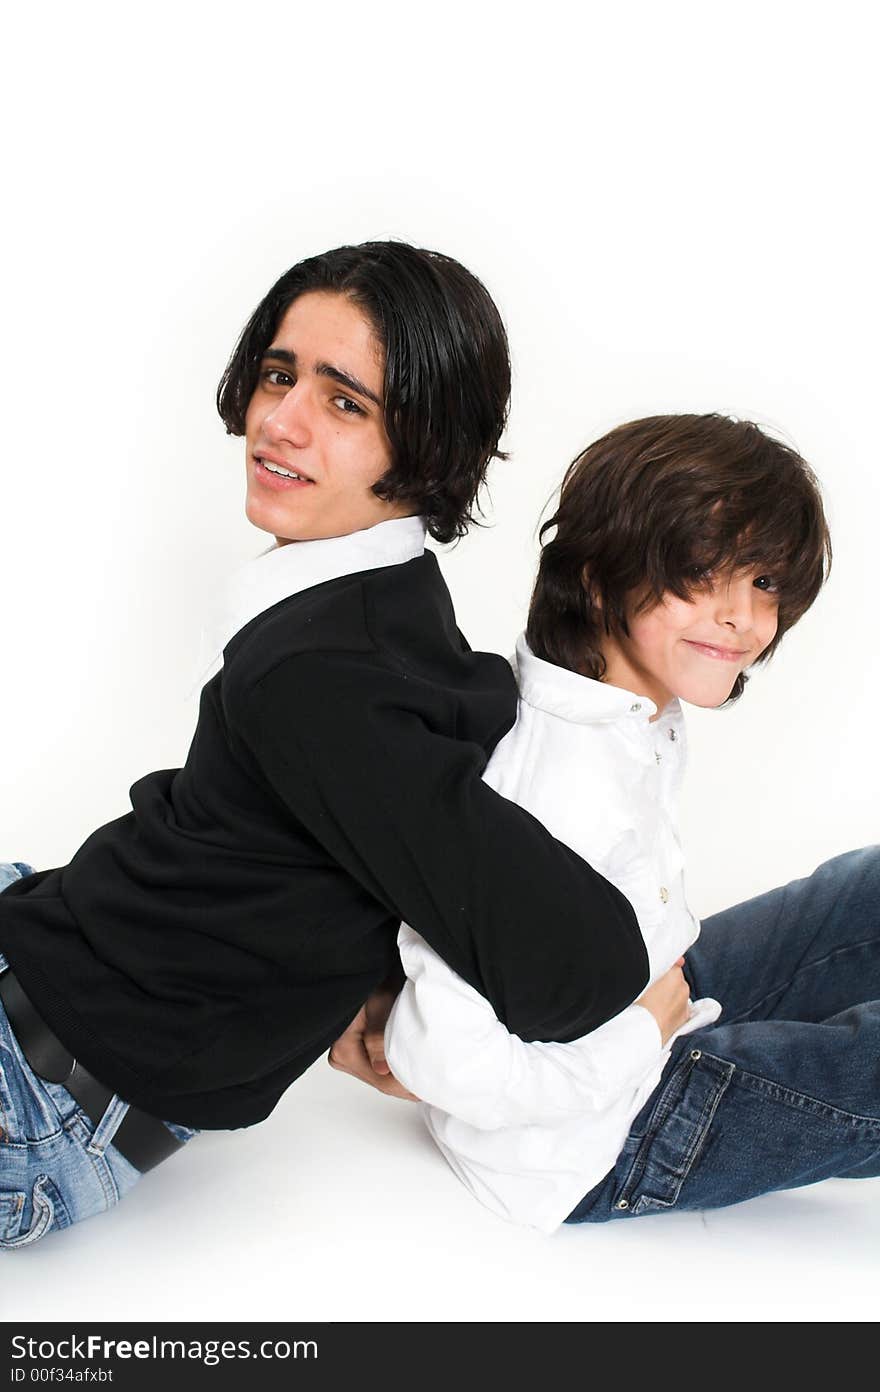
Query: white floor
point(338, 1208)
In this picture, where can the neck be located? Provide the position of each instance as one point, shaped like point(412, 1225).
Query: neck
point(620, 671)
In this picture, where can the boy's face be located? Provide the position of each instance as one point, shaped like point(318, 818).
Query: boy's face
point(316, 412)
point(695, 648)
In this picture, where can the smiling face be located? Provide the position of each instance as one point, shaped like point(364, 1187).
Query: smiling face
point(695, 648)
point(315, 432)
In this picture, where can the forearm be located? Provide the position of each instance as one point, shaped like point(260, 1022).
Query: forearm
point(445, 1044)
point(553, 946)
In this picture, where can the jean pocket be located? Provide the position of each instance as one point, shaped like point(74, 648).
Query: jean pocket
point(676, 1134)
point(31, 1112)
point(47, 1210)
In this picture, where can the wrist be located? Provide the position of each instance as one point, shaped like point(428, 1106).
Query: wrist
point(655, 1021)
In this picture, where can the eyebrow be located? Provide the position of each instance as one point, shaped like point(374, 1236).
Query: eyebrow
point(324, 369)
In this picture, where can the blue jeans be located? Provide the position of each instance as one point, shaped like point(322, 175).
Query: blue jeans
point(56, 1166)
point(784, 1089)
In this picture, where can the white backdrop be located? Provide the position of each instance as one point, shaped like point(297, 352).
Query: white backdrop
point(674, 209)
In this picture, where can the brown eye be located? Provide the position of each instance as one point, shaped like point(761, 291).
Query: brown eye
point(766, 583)
point(276, 378)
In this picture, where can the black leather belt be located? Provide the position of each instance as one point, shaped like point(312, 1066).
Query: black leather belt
point(142, 1139)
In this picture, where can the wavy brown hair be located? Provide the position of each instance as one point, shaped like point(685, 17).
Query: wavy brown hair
point(659, 504)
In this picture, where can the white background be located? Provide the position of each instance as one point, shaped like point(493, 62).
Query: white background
point(674, 207)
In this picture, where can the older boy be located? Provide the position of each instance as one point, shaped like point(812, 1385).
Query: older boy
point(198, 954)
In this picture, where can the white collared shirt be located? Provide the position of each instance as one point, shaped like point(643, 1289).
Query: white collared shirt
point(282, 571)
point(531, 1128)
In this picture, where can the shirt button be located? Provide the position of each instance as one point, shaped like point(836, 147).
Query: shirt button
point(664, 894)
point(636, 706)
point(673, 736)
point(658, 757)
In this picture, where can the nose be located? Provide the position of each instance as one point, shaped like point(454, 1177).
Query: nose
point(735, 603)
point(288, 421)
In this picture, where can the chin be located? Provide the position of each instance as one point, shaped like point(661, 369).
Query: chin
point(262, 517)
point(707, 700)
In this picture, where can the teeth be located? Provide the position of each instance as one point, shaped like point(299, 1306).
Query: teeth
point(285, 473)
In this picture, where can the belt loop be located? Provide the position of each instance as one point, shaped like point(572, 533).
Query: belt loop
point(108, 1125)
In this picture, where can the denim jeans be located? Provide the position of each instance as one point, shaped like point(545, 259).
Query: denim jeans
point(784, 1089)
point(56, 1166)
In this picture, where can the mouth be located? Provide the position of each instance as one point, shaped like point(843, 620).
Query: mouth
point(272, 473)
point(718, 653)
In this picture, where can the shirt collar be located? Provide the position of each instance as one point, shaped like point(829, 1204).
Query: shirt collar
point(582, 700)
point(282, 571)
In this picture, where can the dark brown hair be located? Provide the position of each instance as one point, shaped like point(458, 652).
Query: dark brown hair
point(659, 504)
point(447, 369)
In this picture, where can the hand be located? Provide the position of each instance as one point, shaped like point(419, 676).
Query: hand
point(668, 999)
point(360, 1051)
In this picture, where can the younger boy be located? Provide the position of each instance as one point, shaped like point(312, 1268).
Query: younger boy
point(685, 547)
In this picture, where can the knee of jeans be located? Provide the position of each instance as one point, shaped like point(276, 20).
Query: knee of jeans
point(12, 870)
point(869, 859)
point(851, 882)
point(863, 861)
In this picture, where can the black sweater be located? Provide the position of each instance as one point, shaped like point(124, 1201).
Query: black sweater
point(200, 952)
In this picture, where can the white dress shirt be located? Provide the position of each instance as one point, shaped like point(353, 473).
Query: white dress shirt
point(281, 571)
point(532, 1127)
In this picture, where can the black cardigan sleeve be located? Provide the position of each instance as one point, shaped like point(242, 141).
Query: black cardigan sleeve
point(367, 759)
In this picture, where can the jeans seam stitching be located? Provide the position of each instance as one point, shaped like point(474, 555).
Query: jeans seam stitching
point(41, 1222)
point(808, 966)
point(783, 1093)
